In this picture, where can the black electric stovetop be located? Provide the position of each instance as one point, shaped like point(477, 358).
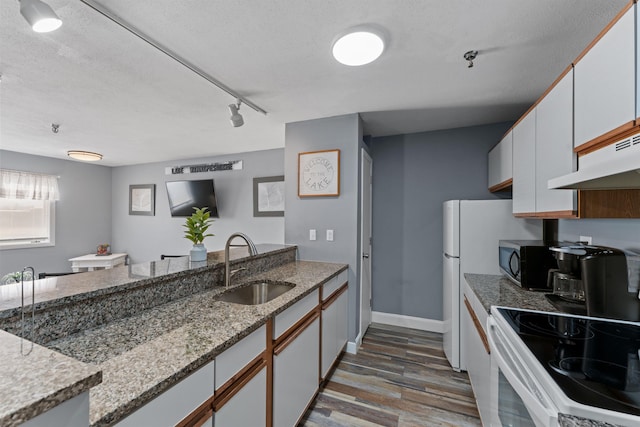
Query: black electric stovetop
point(595, 362)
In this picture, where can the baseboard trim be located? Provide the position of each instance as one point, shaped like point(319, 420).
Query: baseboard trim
point(352, 347)
point(407, 321)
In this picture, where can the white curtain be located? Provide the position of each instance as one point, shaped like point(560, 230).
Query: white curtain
point(27, 185)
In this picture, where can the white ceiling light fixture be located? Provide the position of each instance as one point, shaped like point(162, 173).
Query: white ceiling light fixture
point(40, 16)
point(358, 46)
point(85, 156)
point(236, 118)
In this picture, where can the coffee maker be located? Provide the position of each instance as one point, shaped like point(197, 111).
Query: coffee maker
point(566, 280)
point(605, 280)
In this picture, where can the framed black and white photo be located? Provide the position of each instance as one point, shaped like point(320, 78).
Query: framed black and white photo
point(142, 199)
point(268, 196)
point(319, 173)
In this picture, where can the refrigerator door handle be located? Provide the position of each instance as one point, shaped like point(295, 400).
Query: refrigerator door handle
point(451, 256)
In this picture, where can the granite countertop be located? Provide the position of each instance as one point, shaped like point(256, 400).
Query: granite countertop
point(27, 386)
point(498, 290)
point(188, 333)
point(61, 290)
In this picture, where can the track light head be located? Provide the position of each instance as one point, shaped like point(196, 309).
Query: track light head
point(40, 16)
point(236, 118)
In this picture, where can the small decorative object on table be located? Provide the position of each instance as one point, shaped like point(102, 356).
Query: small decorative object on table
point(103, 249)
point(197, 225)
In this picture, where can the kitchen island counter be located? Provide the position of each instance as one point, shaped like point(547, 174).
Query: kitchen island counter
point(142, 356)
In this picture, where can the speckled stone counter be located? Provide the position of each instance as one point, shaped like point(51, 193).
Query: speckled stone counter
point(27, 386)
point(141, 356)
point(498, 290)
point(573, 421)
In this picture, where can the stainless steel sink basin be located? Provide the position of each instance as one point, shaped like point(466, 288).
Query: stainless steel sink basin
point(255, 293)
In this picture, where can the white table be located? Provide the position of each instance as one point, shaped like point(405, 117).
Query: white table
point(92, 262)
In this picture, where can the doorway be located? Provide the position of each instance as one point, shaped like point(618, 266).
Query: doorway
point(365, 245)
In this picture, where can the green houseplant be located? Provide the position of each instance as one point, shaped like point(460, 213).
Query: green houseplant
point(196, 230)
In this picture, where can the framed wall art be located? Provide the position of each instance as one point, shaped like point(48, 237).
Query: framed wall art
point(319, 173)
point(268, 196)
point(142, 199)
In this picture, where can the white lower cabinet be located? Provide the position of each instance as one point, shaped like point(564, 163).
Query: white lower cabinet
point(71, 413)
point(295, 375)
point(248, 407)
point(178, 402)
point(478, 359)
point(334, 332)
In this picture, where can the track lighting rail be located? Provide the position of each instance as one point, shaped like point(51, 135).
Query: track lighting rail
point(133, 30)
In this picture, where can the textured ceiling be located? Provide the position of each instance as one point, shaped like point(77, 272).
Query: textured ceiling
point(114, 94)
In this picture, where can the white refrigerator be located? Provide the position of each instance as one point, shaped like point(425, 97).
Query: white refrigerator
point(472, 229)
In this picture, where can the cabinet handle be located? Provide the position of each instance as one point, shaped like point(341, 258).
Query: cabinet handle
point(365, 255)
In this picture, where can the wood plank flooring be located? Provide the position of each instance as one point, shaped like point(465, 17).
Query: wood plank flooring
point(399, 378)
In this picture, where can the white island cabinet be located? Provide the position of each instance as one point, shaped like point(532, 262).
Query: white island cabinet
point(334, 321)
point(296, 360)
point(241, 383)
point(173, 405)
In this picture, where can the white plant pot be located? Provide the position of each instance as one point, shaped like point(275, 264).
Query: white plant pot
point(198, 253)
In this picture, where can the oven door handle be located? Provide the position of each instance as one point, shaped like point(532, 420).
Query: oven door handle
point(544, 414)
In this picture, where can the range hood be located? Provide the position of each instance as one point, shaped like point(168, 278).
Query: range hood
point(616, 166)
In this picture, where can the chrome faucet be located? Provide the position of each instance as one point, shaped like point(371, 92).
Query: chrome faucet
point(250, 246)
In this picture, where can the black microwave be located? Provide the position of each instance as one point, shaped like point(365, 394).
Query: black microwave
point(526, 262)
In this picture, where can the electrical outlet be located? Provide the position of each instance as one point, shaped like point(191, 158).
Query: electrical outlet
point(329, 235)
point(312, 234)
point(586, 239)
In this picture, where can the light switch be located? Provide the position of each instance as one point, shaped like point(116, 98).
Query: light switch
point(329, 235)
point(312, 234)
point(586, 239)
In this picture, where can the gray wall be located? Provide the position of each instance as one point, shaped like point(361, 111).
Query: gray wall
point(83, 213)
point(413, 175)
point(145, 238)
point(617, 233)
point(322, 213)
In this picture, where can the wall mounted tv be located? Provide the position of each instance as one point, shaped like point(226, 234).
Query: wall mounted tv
point(185, 195)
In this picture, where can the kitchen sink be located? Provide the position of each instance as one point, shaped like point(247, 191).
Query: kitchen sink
point(258, 292)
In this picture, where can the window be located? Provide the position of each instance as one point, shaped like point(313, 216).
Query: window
point(27, 209)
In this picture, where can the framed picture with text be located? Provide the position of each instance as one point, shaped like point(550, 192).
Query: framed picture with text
point(319, 173)
point(142, 199)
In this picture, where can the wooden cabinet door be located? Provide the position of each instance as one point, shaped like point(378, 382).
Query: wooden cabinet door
point(524, 165)
point(605, 82)
point(295, 376)
point(554, 147)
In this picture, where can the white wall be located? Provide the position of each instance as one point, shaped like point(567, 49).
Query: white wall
point(145, 238)
point(83, 213)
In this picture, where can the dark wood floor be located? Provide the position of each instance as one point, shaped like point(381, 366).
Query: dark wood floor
point(400, 377)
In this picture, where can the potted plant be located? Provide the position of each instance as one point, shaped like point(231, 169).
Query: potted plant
point(197, 225)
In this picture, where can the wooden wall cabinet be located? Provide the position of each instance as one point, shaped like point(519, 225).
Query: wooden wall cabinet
point(605, 77)
point(500, 165)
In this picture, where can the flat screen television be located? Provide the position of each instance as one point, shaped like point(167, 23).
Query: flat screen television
point(185, 195)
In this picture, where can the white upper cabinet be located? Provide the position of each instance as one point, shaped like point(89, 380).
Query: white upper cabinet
point(605, 82)
point(500, 164)
point(524, 165)
point(554, 146)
